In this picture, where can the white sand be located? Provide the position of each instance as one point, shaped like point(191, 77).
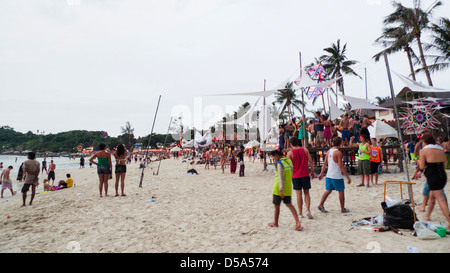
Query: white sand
point(210, 212)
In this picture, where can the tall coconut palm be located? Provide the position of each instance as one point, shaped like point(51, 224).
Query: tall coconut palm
point(395, 39)
point(287, 98)
point(440, 46)
point(414, 20)
point(336, 63)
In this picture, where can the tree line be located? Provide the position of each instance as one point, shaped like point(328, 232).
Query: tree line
point(67, 142)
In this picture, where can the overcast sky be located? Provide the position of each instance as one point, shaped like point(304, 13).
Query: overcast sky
point(96, 64)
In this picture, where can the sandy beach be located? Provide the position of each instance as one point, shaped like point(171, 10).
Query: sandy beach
point(174, 212)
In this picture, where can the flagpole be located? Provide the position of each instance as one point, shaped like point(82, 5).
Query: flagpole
point(264, 128)
point(400, 136)
point(165, 141)
point(149, 138)
point(303, 105)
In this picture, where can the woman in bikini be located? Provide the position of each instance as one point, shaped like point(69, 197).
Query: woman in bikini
point(120, 155)
point(104, 167)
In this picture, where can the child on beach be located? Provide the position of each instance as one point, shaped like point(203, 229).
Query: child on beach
point(6, 180)
point(334, 178)
point(282, 188)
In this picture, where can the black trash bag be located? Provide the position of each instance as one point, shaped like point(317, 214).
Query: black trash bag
point(398, 216)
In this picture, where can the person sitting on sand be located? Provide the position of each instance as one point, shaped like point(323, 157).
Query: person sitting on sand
point(282, 188)
point(68, 183)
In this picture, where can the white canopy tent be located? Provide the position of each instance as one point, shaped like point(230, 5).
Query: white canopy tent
point(381, 129)
point(252, 144)
point(175, 149)
point(202, 141)
point(187, 144)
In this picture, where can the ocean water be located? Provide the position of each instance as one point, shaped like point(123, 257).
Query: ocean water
point(62, 163)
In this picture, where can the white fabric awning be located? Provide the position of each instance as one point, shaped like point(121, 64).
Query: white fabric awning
point(358, 103)
point(246, 118)
point(419, 87)
point(335, 112)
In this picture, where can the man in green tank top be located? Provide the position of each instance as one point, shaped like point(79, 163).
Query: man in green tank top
point(363, 157)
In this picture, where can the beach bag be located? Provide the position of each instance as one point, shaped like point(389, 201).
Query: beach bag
point(398, 216)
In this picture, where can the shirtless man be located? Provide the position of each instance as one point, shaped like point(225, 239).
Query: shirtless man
point(365, 124)
point(345, 131)
point(32, 168)
point(51, 173)
point(6, 180)
point(215, 156)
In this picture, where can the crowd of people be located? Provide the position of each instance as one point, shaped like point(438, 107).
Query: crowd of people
point(320, 130)
point(29, 172)
point(292, 172)
point(294, 167)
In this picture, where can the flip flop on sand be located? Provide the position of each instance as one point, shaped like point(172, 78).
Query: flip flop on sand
point(298, 228)
point(322, 209)
point(345, 210)
point(272, 225)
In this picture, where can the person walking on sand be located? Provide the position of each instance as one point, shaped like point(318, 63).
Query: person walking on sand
point(432, 160)
point(44, 166)
point(104, 167)
point(5, 178)
point(51, 172)
point(301, 177)
point(223, 158)
point(282, 188)
point(120, 155)
point(233, 160)
point(207, 159)
point(32, 169)
point(240, 156)
point(334, 179)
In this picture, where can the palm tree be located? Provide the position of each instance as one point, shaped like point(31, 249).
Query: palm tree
point(381, 100)
point(128, 134)
point(440, 45)
point(395, 39)
point(414, 21)
point(287, 98)
point(336, 63)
